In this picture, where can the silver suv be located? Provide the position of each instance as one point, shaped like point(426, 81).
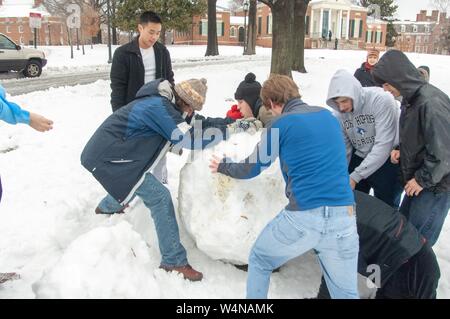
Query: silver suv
point(15, 58)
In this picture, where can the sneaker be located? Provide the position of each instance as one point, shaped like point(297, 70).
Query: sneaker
point(188, 272)
point(99, 211)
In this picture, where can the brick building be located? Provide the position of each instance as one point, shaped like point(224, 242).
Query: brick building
point(425, 35)
point(348, 23)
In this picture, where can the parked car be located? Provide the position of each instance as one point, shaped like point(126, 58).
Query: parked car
point(13, 57)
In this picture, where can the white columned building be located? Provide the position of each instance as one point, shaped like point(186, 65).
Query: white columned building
point(329, 15)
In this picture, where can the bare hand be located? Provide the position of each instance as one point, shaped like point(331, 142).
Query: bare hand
point(412, 188)
point(40, 123)
point(214, 163)
point(352, 183)
point(395, 156)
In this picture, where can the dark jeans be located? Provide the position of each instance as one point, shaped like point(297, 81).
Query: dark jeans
point(385, 181)
point(427, 212)
point(417, 279)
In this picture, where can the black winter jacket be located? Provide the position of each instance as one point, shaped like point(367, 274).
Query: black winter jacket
point(128, 73)
point(386, 238)
point(424, 123)
point(365, 77)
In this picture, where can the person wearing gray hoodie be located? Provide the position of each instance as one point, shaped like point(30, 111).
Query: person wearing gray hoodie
point(369, 121)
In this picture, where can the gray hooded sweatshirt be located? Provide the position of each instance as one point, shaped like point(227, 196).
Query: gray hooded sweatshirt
point(370, 128)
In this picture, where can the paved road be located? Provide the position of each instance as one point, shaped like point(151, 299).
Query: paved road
point(25, 85)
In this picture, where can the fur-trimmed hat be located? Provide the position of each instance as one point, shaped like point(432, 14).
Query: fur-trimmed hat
point(193, 92)
point(373, 52)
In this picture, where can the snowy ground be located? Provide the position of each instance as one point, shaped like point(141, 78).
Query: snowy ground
point(50, 235)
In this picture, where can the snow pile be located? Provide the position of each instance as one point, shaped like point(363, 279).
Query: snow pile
point(115, 262)
point(225, 215)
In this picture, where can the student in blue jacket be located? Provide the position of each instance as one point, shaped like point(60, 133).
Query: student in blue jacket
point(126, 147)
point(12, 113)
point(319, 215)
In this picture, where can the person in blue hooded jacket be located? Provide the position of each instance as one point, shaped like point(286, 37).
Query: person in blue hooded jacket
point(129, 144)
point(12, 113)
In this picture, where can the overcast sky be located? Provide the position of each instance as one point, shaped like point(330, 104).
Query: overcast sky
point(407, 9)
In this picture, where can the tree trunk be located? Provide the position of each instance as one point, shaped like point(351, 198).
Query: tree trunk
point(282, 53)
point(114, 34)
point(99, 36)
point(212, 47)
point(251, 29)
point(113, 22)
point(298, 36)
point(162, 37)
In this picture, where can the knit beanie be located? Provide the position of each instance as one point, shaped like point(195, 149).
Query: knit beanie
point(193, 92)
point(249, 90)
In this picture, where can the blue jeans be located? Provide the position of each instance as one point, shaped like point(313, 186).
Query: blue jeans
point(157, 198)
point(385, 181)
point(427, 212)
point(331, 231)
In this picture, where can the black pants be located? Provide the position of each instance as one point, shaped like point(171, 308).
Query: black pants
point(416, 279)
point(385, 181)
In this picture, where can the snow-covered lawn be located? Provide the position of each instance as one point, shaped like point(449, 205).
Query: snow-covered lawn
point(50, 234)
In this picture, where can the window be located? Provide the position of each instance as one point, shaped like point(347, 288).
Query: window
point(403, 28)
point(418, 39)
point(352, 28)
point(7, 29)
point(368, 36)
point(259, 25)
point(427, 29)
point(232, 32)
point(21, 40)
point(204, 28)
point(307, 18)
point(220, 28)
point(269, 24)
point(379, 37)
point(62, 29)
point(20, 28)
point(360, 32)
point(6, 44)
point(414, 28)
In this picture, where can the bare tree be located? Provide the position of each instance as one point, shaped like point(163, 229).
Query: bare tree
point(250, 48)
point(441, 5)
point(298, 38)
point(212, 46)
point(282, 30)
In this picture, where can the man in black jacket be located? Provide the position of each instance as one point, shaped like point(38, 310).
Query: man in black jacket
point(424, 135)
point(392, 252)
point(141, 61)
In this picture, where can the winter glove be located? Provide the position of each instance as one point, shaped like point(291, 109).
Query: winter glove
point(245, 125)
point(234, 113)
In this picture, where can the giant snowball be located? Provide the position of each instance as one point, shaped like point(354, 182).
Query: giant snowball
point(224, 215)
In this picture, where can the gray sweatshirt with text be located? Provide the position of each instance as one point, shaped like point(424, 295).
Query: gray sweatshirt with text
point(370, 129)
